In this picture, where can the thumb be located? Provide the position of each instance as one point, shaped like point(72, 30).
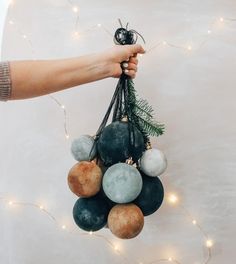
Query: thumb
point(136, 48)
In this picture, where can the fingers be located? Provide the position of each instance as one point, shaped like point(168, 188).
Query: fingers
point(130, 73)
point(130, 68)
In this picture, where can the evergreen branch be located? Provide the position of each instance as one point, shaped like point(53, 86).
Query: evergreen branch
point(142, 114)
point(150, 127)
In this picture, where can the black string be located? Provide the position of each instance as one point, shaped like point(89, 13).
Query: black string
point(120, 98)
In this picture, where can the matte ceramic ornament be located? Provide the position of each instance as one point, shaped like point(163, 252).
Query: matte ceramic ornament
point(125, 221)
point(153, 162)
point(90, 214)
point(151, 196)
point(81, 148)
point(85, 179)
point(114, 143)
point(122, 183)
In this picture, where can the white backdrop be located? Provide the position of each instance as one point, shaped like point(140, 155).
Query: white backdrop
point(193, 93)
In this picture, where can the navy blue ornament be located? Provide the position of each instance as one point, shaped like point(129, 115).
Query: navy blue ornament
point(151, 195)
point(120, 141)
point(90, 214)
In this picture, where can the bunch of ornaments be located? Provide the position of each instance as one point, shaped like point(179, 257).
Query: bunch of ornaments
point(120, 195)
point(116, 176)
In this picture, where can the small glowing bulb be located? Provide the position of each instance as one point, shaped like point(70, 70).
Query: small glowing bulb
point(173, 198)
point(189, 47)
point(141, 55)
point(164, 42)
point(10, 203)
point(76, 34)
point(41, 207)
point(99, 25)
point(24, 36)
point(63, 227)
point(170, 259)
point(11, 22)
point(116, 248)
point(209, 243)
point(67, 136)
point(75, 9)
point(91, 232)
point(209, 31)
point(194, 222)
point(221, 19)
point(63, 107)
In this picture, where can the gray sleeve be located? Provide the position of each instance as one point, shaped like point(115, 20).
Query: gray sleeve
point(5, 81)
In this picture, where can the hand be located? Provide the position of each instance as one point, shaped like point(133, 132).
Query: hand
point(128, 54)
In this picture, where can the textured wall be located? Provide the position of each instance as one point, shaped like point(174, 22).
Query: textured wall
point(192, 92)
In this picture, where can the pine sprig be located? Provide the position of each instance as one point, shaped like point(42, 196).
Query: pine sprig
point(142, 114)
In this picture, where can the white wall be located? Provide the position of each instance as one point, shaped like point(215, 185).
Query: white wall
point(3, 11)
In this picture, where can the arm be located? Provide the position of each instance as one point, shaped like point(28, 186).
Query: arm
point(36, 78)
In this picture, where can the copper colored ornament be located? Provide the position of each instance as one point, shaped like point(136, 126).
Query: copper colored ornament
point(85, 179)
point(125, 220)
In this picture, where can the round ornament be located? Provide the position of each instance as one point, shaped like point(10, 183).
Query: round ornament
point(85, 179)
point(81, 148)
point(122, 183)
point(114, 143)
point(90, 214)
point(153, 162)
point(125, 221)
point(151, 196)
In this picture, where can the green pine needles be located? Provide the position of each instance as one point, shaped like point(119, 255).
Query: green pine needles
point(142, 114)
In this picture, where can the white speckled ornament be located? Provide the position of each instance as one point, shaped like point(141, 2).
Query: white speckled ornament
point(153, 162)
point(81, 147)
point(122, 183)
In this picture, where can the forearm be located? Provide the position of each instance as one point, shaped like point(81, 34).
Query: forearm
point(36, 78)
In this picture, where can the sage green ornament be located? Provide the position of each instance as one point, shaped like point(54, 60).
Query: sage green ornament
point(81, 148)
point(153, 162)
point(122, 183)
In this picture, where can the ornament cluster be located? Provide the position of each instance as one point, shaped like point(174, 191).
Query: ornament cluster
point(114, 190)
point(116, 176)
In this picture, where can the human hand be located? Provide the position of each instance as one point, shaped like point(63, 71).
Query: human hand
point(123, 58)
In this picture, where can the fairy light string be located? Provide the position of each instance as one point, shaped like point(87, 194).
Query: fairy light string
point(172, 200)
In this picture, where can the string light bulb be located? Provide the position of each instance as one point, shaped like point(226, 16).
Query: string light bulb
point(10, 203)
point(170, 259)
point(63, 227)
point(189, 48)
point(41, 207)
point(209, 243)
point(116, 248)
point(99, 25)
point(75, 9)
point(11, 22)
point(173, 198)
point(24, 36)
point(209, 31)
point(194, 222)
point(164, 42)
point(91, 232)
point(221, 19)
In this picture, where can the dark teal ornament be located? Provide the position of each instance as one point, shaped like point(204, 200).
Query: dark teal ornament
point(90, 214)
point(120, 141)
point(151, 196)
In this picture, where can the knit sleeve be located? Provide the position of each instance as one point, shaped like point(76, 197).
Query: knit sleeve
point(5, 81)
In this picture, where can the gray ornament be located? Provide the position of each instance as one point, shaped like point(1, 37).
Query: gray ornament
point(153, 162)
point(122, 183)
point(81, 147)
